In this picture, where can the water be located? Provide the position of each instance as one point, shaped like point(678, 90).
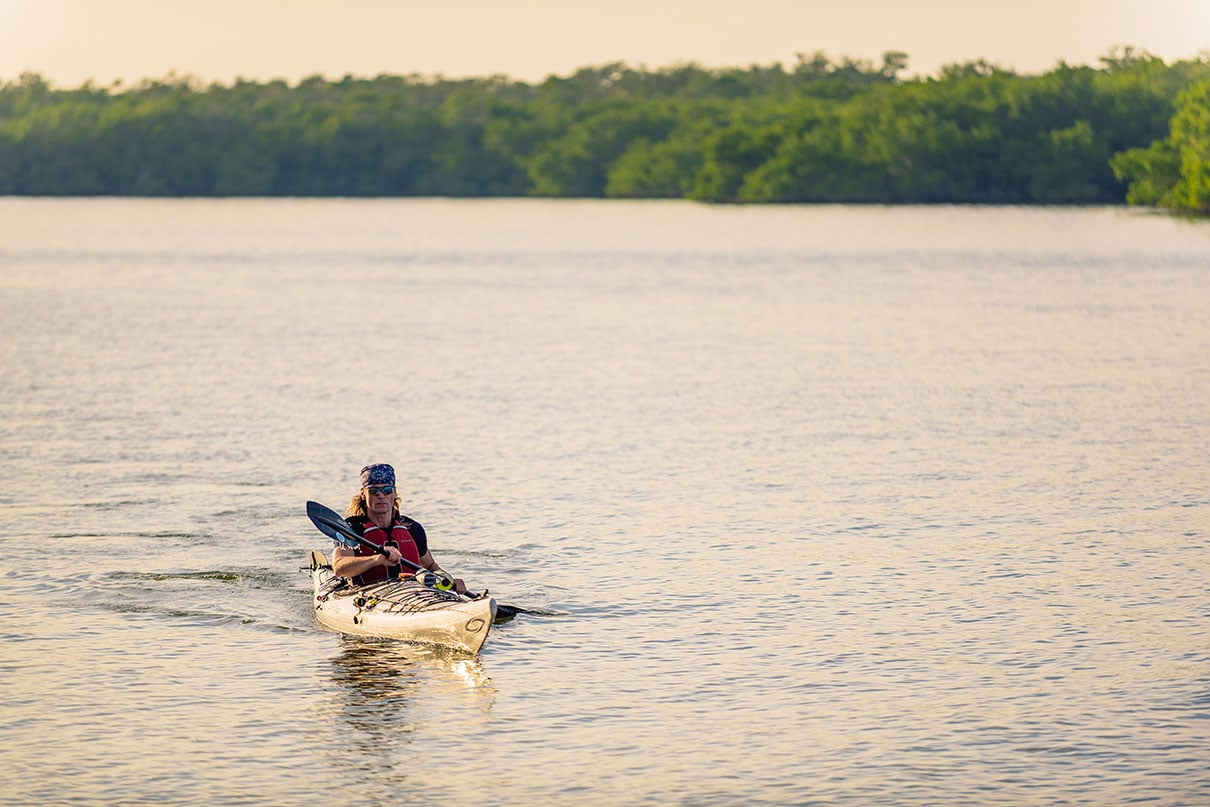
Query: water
point(820, 505)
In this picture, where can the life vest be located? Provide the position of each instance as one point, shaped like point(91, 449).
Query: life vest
point(378, 536)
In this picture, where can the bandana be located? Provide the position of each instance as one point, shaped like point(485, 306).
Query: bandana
point(380, 474)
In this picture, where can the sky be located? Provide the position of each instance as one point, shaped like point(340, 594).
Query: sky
point(69, 42)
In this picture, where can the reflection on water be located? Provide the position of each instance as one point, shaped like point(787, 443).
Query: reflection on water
point(377, 683)
point(388, 703)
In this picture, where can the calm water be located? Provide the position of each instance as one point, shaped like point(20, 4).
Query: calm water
point(825, 505)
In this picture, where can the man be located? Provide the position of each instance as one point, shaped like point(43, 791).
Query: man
point(374, 512)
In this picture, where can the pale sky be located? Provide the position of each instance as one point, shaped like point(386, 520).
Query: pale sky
point(71, 41)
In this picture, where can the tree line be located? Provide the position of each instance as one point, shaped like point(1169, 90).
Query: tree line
point(822, 130)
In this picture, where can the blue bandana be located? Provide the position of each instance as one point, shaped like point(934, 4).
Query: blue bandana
point(380, 474)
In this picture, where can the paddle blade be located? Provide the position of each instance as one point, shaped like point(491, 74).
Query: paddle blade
point(332, 525)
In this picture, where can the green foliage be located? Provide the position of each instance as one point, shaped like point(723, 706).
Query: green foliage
point(1151, 173)
point(1191, 136)
point(823, 130)
point(729, 155)
point(662, 170)
point(1173, 172)
point(1075, 158)
point(822, 157)
point(577, 161)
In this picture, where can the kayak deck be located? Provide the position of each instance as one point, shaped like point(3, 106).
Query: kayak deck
point(399, 609)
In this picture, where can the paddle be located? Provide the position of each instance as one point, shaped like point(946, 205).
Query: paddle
point(332, 525)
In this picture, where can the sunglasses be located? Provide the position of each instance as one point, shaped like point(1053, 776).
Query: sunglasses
point(381, 490)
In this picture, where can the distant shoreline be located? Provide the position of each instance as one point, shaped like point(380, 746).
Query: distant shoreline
point(825, 132)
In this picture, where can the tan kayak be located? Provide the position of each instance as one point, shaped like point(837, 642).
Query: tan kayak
point(400, 609)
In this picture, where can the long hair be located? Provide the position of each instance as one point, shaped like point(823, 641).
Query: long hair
point(357, 505)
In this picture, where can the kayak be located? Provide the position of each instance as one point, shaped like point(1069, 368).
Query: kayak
point(400, 609)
